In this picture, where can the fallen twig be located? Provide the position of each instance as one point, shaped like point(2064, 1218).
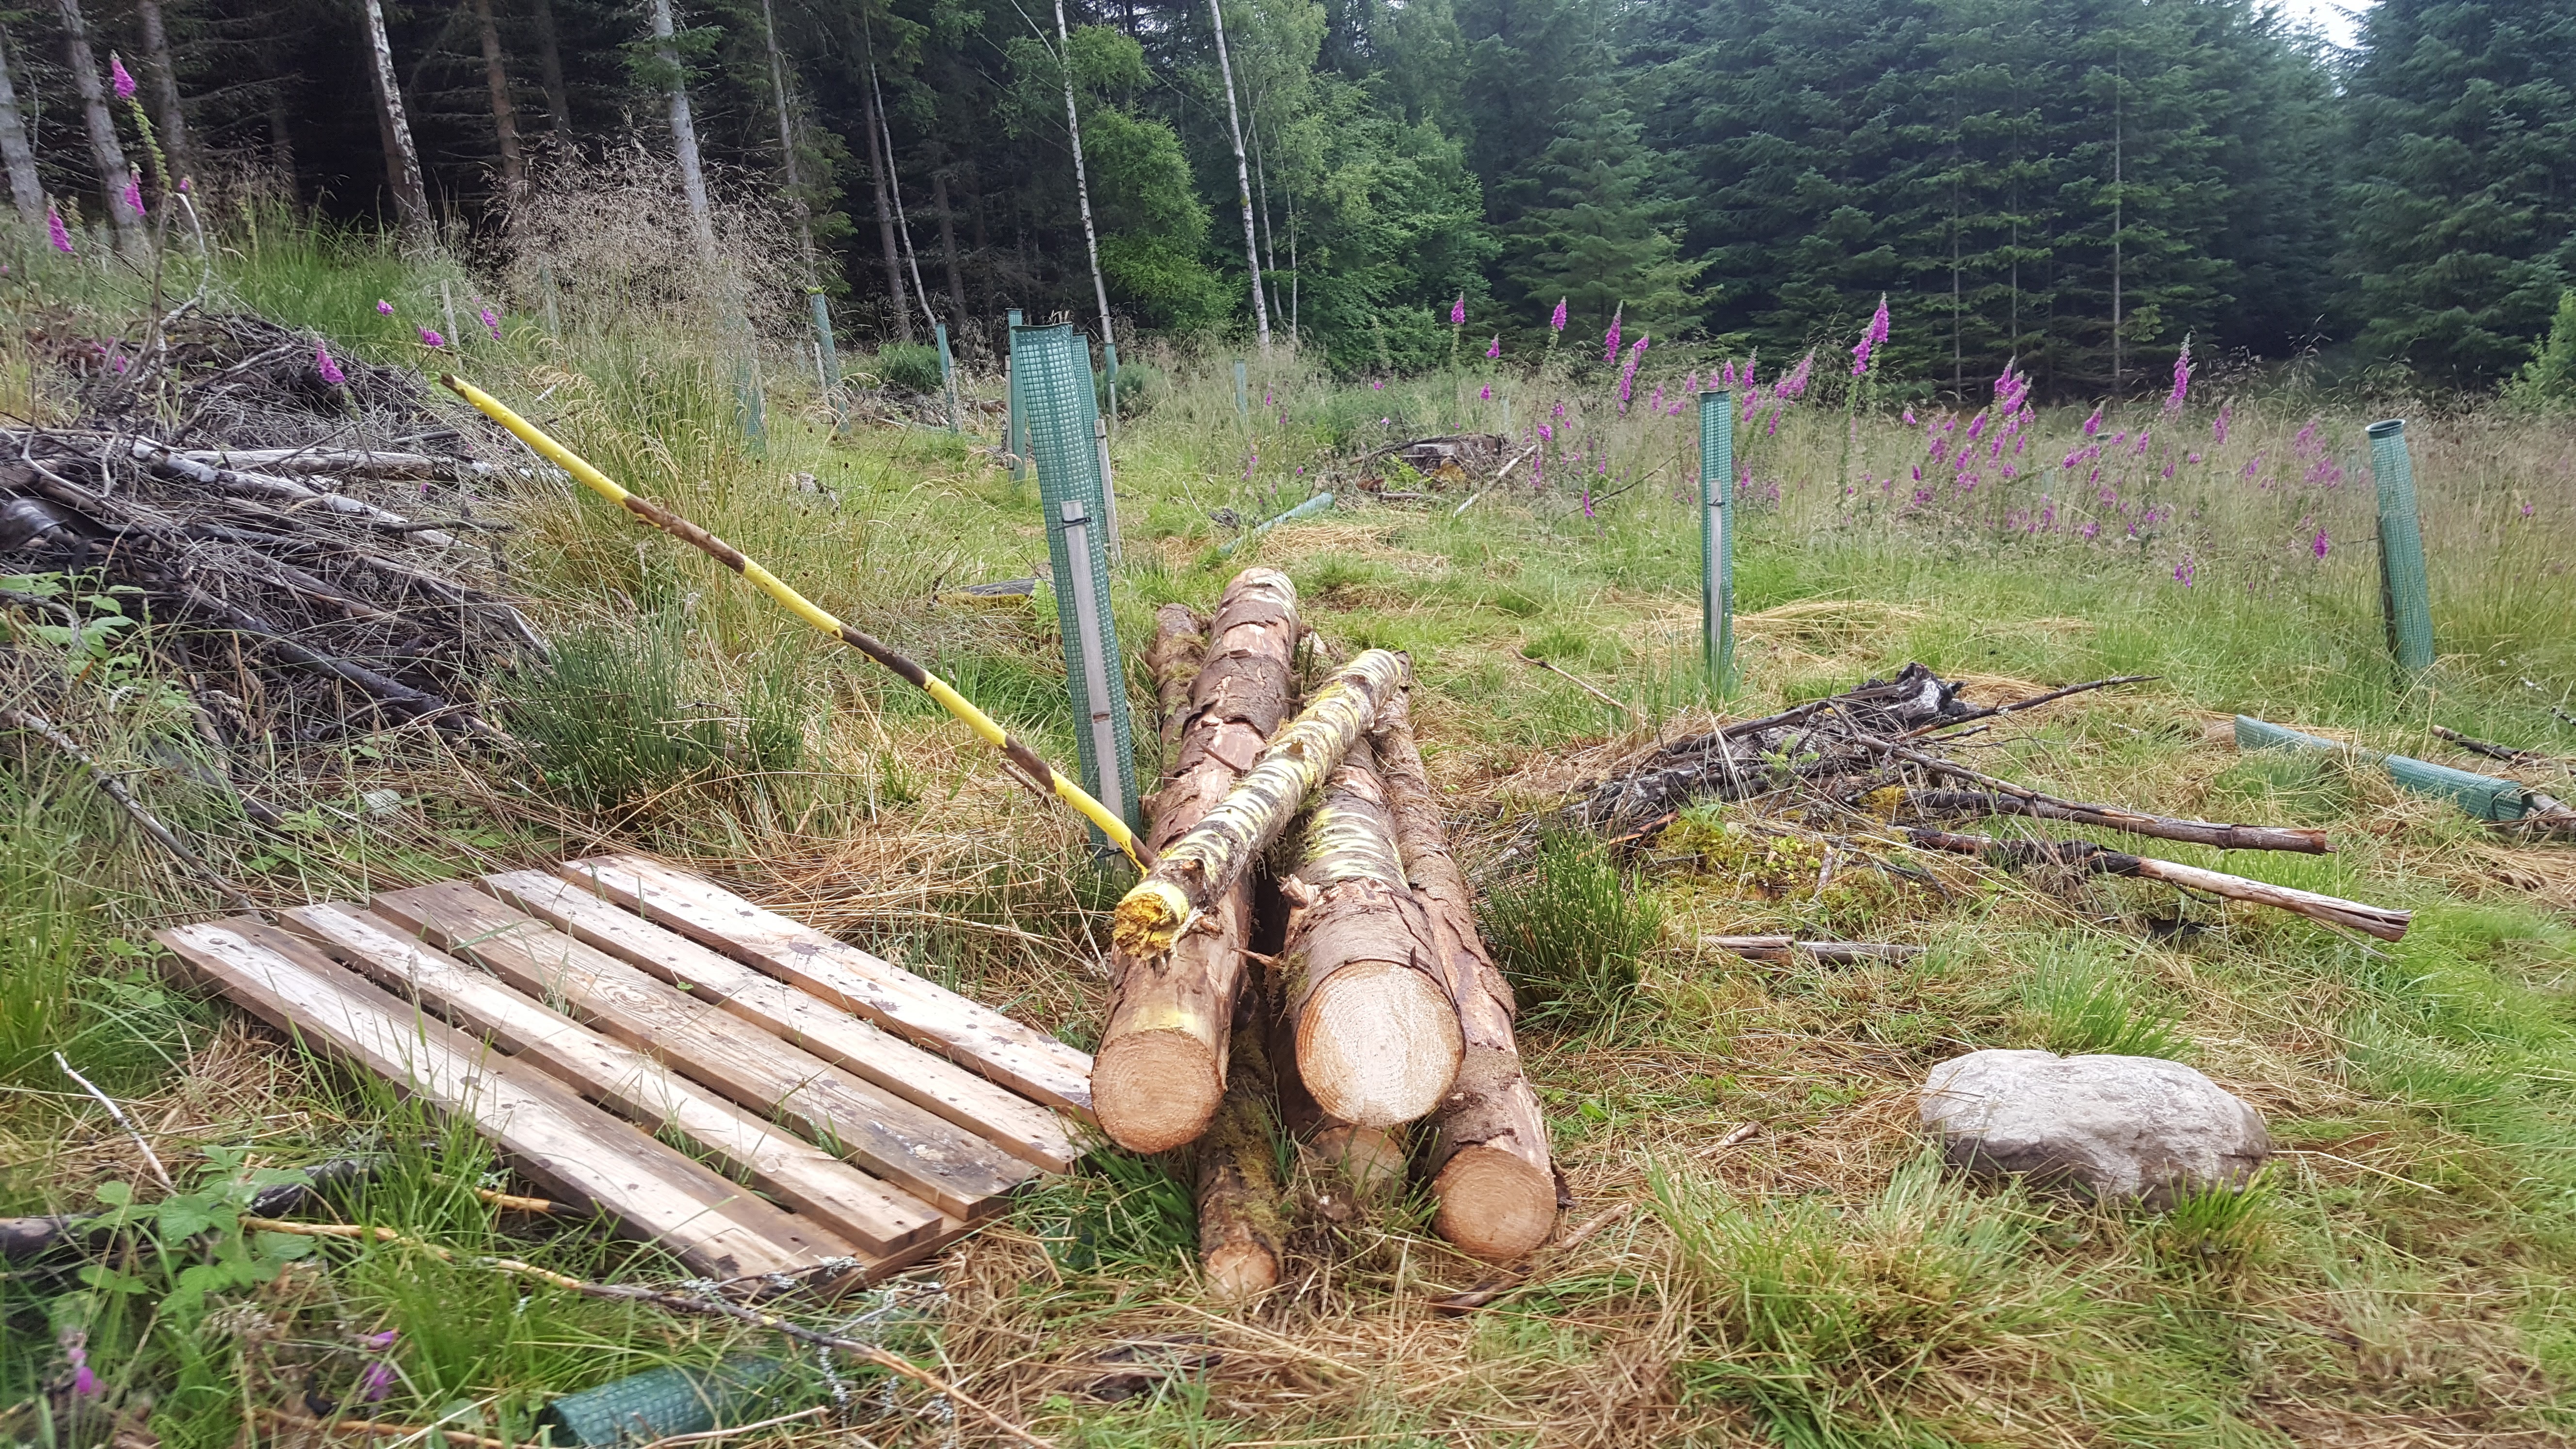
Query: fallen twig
point(2506, 753)
point(2034, 702)
point(1782, 948)
point(378, 1429)
point(2014, 801)
point(35, 724)
point(117, 1113)
point(1488, 1289)
point(2084, 855)
point(1596, 693)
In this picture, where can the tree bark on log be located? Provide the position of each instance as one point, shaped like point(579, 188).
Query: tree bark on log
point(1240, 1228)
point(1173, 662)
point(2084, 855)
point(1378, 1040)
point(1160, 1072)
point(1488, 1153)
point(1206, 861)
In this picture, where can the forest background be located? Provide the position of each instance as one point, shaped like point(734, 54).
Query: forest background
point(2079, 184)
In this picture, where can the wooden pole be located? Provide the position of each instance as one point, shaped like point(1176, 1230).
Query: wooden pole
point(1160, 1072)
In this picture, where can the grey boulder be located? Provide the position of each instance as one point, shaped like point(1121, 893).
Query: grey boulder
point(2124, 1129)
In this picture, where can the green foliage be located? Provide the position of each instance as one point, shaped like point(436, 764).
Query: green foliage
point(611, 722)
point(1592, 231)
point(2086, 1004)
point(1140, 386)
point(910, 365)
point(1120, 1214)
point(1572, 934)
point(2549, 379)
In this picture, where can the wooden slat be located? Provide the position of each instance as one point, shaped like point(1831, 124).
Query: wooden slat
point(937, 1161)
point(871, 1214)
point(1020, 1127)
point(922, 1012)
point(577, 1152)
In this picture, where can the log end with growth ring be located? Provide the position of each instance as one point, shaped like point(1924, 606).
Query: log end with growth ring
point(1370, 1158)
point(1378, 1044)
point(1240, 1270)
point(1493, 1204)
point(1155, 1090)
point(1149, 918)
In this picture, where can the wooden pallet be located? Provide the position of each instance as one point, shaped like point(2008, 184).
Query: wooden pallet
point(577, 1018)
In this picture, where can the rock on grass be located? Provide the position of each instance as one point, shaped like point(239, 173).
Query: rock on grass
point(2123, 1129)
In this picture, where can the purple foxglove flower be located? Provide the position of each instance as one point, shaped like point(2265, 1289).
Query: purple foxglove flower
point(430, 338)
point(132, 196)
point(2181, 377)
point(2089, 532)
point(2218, 427)
point(55, 231)
point(2323, 545)
point(1546, 434)
point(119, 77)
point(492, 325)
point(1909, 417)
point(2526, 510)
point(1485, 393)
point(1610, 341)
point(85, 1384)
point(384, 308)
point(1495, 347)
point(2093, 424)
point(1727, 378)
point(328, 370)
point(2254, 465)
point(1458, 311)
point(1690, 383)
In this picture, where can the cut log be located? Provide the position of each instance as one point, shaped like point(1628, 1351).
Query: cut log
point(1370, 1160)
point(1488, 1154)
point(1206, 861)
point(2086, 856)
point(1160, 1071)
point(1240, 1228)
point(1377, 1033)
point(1173, 661)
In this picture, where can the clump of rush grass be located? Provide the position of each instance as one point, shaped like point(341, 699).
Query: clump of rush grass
point(609, 717)
point(1573, 933)
point(1120, 1215)
point(2083, 1004)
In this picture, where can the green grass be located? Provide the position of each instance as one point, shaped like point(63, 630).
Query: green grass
point(2408, 1263)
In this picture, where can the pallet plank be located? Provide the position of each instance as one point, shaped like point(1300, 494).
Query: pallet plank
point(943, 1164)
point(1020, 1127)
point(922, 1012)
point(877, 1217)
point(578, 1153)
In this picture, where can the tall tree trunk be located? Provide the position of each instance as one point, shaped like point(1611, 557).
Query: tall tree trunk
point(948, 240)
point(1242, 176)
point(175, 142)
point(505, 117)
point(281, 137)
point(26, 191)
point(402, 158)
point(1081, 178)
point(550, 74)
point(104, 148)
point(684, 131)
point(1269, 230)
point(894, 185)
point(787, 168)
point(885, 214)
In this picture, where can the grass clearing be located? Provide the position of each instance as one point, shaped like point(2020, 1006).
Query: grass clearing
point(2406, 1272)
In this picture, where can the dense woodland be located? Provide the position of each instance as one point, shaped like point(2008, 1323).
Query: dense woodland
point(2077, 183)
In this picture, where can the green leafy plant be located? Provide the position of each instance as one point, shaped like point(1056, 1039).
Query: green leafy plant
point(1572, 935)
point(605, 716)
point(1122, 1212)
point(2085, 1005)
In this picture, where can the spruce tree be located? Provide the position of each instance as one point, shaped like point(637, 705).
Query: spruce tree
point(1591, 229)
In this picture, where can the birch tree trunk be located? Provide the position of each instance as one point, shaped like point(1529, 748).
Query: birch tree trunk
point(1378, 1041)
point(26, 190)
point(894, 185)
point(175, 142)
point(1488, 1155)
point(550, 75)
point(402, 158)
point(1160, 1072)
point(885, 214)
point(1081, 178)
point(1208, 859)
point(104, 147)
point(505, 117)
point(684, 131)
point(1242, 175)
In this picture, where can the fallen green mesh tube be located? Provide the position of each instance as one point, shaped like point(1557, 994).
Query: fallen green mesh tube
point(2485, 797)
point(661, 1403)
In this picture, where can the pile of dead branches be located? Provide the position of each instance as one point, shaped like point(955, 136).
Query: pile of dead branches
point(307, 546)
point(1865, 771)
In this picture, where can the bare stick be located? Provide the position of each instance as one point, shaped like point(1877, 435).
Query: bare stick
point(37, 725)
point(2084, 855)
point(2034, 702)
point(1782, 948)
point(2111, 817)
point(2506, 753)
point(122, 1120)
point(1489, 1289)
point(1586, 688)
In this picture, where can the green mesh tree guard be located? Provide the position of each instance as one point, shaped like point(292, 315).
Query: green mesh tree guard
point(659, 1403)
point(1716, 541)
point(2404, 593)
point(827, 358)
point(1242, 394)
point(2487, 797)
point(1051, 372)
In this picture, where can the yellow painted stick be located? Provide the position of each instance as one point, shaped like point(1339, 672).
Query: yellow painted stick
point(1020, 755)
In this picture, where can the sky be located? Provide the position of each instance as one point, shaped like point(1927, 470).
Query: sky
point(2339, 19)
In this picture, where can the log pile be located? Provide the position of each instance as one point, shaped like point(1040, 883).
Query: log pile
point(1342, 993)
point(309, 560)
